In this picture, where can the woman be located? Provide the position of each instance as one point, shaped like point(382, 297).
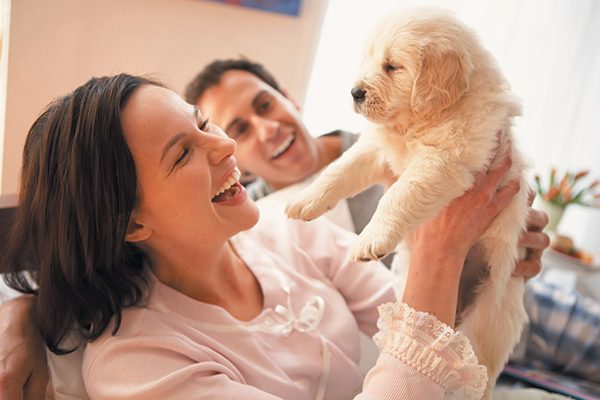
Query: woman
point(132, 209)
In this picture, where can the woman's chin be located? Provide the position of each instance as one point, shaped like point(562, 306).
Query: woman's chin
point(255, 214)
point(248, 215)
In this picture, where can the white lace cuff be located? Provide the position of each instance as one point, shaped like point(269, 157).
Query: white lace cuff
point(432, 348)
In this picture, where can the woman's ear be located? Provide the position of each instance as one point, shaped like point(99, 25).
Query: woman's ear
point(136, 230)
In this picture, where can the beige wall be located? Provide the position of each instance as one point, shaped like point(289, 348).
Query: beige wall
point(57, 45)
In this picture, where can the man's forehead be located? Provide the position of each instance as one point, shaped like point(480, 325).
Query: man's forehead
point(235, 94)
point(242, 78)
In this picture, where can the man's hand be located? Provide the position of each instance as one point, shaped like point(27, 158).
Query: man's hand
point(535, 241)
point(23, 370)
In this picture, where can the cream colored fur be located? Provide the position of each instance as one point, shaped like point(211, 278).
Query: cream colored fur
point(436, 101)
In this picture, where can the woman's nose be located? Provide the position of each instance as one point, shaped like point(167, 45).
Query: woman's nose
point(221, 147)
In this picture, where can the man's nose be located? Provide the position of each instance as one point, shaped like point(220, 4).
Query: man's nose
point(266, 129)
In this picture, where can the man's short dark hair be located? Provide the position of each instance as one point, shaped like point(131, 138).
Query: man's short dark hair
point(211, 75)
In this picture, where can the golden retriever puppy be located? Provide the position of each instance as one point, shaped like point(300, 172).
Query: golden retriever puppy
point(437, 103)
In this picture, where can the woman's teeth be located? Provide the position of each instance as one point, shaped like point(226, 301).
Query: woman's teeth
point(229, 182)
point(284, 146)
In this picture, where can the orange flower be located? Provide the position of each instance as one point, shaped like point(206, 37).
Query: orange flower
point(552, 193)
point(566, 193)
point(581, 174)
point(566, 188)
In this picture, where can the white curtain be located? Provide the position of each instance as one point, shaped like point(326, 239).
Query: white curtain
point(548, 49)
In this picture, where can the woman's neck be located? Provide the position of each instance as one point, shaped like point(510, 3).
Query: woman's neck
point(217, 277)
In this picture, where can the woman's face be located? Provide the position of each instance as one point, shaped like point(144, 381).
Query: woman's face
point(182, 164)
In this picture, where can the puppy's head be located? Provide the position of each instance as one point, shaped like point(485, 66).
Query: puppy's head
point(416, 61)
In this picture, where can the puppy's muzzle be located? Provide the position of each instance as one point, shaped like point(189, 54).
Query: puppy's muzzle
point(358, 94)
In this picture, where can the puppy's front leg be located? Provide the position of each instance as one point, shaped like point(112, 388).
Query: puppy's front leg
point(361, 166)
point(426, 186)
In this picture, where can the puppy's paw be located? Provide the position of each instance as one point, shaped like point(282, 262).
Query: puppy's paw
point(307, 206)
point(373, 244)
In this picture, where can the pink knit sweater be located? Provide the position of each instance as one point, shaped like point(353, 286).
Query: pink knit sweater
point(303, 345)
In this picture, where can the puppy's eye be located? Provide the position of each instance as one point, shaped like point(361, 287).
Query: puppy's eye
point(392, 67)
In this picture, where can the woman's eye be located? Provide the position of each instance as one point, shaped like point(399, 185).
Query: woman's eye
point(183, 155)
point(204, 125)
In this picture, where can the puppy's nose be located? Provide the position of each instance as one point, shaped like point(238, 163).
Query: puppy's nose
point(358, 94)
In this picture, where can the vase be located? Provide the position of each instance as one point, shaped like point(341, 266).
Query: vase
point(555, 214)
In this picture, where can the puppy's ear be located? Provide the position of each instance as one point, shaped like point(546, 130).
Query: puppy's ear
point(442, 79)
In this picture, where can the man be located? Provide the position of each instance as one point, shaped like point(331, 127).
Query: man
point(273, 143)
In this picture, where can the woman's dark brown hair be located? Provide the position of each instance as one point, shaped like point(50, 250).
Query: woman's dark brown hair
point(78, 189)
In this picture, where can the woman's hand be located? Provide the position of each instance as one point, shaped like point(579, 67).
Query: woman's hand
point(457, 227)
point(440, 245)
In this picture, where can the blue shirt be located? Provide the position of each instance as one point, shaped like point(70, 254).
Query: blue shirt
point(564, 331)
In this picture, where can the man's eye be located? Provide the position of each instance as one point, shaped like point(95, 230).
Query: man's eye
point(264, 106)
point(239, 130)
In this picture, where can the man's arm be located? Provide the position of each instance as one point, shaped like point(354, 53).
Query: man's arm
point(535, 241)
point(23, 370)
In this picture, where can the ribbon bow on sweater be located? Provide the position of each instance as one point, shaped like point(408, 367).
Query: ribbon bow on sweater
point(307, 320)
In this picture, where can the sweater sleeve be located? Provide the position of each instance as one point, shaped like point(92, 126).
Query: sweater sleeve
point(422, 358)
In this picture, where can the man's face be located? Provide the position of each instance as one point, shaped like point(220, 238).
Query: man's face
point(272, 141)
